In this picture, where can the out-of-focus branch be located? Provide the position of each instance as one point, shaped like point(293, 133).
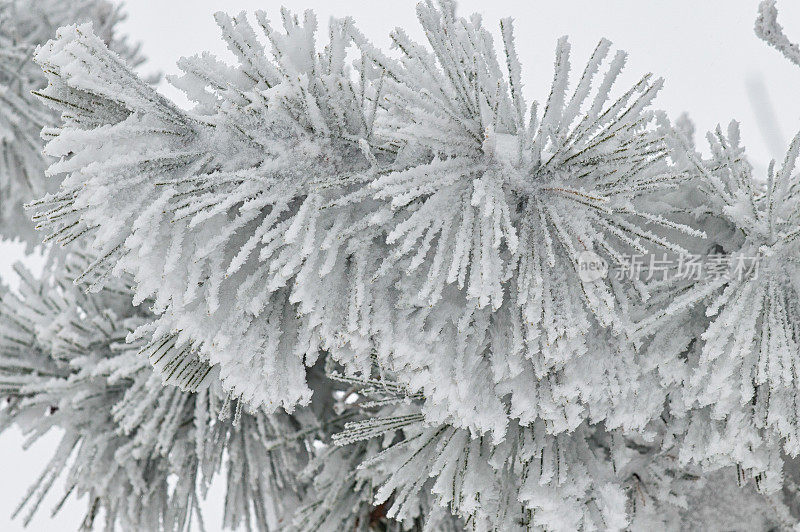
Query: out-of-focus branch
point(768, 29)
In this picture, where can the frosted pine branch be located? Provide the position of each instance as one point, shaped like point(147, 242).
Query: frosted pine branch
point(143, 453)
point(275, 218)
point(768, 29)
point(24, 25)
point(359, 277)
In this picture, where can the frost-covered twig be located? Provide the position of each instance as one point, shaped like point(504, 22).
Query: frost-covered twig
point(768, 29)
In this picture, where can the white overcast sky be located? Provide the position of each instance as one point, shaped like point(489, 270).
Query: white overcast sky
point(714, 67)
